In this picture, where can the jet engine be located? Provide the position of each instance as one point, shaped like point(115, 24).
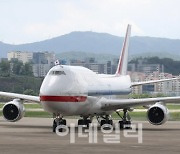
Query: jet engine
point(13, 110)
point(158, 114)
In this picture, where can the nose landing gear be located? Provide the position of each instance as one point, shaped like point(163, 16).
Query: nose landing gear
point(58, 120)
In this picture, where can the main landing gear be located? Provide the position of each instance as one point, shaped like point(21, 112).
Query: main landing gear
point(58, 120)
point(85, 121)
point(125, 123)
point(105, 120)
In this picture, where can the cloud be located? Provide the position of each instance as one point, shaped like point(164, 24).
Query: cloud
point(39, 20)
point(74, 17)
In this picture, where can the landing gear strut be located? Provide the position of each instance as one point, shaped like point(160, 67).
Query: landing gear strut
point(58, 120)
point(125, 123)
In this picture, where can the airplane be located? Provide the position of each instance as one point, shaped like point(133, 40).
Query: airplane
point(75, 90)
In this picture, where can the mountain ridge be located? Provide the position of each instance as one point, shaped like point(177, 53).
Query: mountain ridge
point(92, 42)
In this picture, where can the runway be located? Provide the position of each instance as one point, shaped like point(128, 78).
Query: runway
point(34, 135)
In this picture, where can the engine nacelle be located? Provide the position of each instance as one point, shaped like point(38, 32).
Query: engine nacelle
point(158, 114)
point(13, 110)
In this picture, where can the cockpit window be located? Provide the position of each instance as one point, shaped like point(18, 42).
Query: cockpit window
point(58, 73)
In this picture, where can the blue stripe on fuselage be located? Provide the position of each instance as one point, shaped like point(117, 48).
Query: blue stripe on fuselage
point(95, 93)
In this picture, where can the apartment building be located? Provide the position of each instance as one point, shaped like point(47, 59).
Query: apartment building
point(24, 57)
point(41, 61)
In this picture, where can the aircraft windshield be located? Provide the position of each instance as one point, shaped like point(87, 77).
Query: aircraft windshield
point(57, 73)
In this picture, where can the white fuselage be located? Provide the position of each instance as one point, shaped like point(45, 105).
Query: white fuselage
point(75, 90)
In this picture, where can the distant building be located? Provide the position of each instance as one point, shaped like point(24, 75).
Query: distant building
point(40, 70)
point(149, 88)
point(98, 68)
point(39, 58)
point(24, 57)
point(114, 65)
point(176, 87)
point(109, 67)
point(41, 61)
point(77, 63)
point(137, 77)
point(150, 68)
point(91, 64)
point(141, 66)
point(169, 88)
point(3, 59)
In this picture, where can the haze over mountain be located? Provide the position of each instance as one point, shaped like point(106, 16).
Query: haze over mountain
point(99, 43)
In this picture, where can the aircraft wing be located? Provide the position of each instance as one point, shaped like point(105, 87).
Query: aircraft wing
point(114, 104)
point(152, 81)
point(21, 96)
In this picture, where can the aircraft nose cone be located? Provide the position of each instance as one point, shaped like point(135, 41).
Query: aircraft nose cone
point(48, 86)
point(47, 90)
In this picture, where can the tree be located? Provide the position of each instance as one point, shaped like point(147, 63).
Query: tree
point(27, 69)
point(29, 92)
point(4, 68)
point(17, 67)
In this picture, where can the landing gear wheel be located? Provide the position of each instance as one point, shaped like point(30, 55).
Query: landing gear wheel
point(110, 122)
point(62, 122)
point(58, 121)
point(54, 126)
point(88, 121)
point(82, 122)
point(103, 122)
point(121, 124)
point(125, 123)
point(106, 122)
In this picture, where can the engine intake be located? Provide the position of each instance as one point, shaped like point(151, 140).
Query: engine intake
point(13, 111)
point(158, 114)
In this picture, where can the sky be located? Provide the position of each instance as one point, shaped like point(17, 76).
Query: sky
point(25, 21)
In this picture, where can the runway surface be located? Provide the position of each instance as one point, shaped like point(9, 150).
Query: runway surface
point(34, 135)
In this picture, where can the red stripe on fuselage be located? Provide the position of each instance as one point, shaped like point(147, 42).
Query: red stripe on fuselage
point(63, 98)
